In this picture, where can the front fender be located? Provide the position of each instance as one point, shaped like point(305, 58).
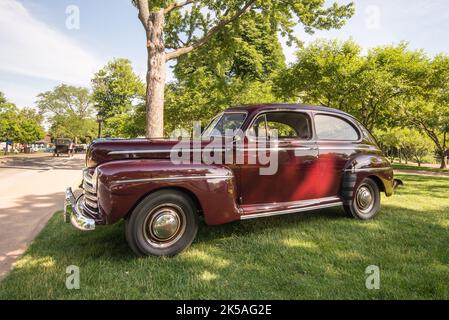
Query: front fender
point(123, 184)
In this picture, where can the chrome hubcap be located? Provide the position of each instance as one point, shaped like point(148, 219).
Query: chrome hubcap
point(165, 224)
point(364, 199)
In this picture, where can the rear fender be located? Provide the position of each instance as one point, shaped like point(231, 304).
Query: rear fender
point(374, 166)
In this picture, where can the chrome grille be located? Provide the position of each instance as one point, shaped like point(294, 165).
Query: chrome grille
point(90, 203)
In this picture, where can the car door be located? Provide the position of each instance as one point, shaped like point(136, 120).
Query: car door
point(294, 153)
point(337, 141)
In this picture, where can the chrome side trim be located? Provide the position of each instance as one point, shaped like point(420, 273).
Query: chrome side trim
point(266, 207)
point(347, 148)
point(167, 151)
point(137, 152)
point(173, 179)
point(301, 209)
point(240, 149)
point(209, 150)
point(368, 169)
point(278, 149)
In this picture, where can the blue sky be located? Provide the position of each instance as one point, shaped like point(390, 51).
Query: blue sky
point(38, 51)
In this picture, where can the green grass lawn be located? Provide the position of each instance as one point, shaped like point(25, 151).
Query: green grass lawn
point(402, 166)
point(316, 255)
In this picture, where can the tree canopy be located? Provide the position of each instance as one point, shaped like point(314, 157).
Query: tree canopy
point(118, 95)
point(336, 74)
point(200, 20)
point(19, 125)
point(390, 86)
point(216, 76)
point(69, 111)
point(176, 28)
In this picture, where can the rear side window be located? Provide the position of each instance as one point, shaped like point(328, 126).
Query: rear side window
point(334, 128)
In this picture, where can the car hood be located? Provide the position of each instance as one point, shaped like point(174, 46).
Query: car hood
point(102, 151)
point(106, 150)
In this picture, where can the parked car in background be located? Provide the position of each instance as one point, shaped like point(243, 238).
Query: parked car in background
point(63, 146)
point(79, 148)
point(325, 158)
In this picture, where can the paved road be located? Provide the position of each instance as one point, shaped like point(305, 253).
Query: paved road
point(31, 190)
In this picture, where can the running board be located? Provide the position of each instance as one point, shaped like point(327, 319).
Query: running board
point(302, 209)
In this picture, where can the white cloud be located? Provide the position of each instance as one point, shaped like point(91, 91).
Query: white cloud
point(30, 47)
point(21, 94)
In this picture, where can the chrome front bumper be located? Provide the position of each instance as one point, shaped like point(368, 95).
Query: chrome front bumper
point(74, 214)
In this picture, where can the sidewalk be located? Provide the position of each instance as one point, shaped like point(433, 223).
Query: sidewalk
point(31, 191)
point(4, 158)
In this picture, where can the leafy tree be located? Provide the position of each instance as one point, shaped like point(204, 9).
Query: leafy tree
point(429, 112)
point(433, 120)
point(388, 140)
point(9, 126)
point(117, 94)
point(69, 111)
point(19, 126)
point(172, 33)
point(336, 74)
point(422, 147)
point(216, 76)
point(391, 75)
point(413, 144)
point(31, 130)
point(2, 98)
point(407, 143)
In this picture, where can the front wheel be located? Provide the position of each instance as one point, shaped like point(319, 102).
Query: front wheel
point(164, 224)
point(365, 203)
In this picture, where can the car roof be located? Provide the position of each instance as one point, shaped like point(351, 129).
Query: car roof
point(251, 108)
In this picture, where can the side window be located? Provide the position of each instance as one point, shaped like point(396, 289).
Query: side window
point(288, 125)
point(367, 134)
point(259, 128)
point(334, 128)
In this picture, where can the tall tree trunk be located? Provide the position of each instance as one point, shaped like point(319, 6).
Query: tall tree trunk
point(155, 75)
point(443, 161)
point(444, 152)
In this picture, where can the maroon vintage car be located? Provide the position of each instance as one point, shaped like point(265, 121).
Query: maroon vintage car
point(317, 158)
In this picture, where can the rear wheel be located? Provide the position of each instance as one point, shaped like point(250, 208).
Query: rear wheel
point(164, 224)
point(365, 202)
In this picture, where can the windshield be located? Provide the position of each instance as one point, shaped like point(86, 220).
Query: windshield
point(225, 125)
